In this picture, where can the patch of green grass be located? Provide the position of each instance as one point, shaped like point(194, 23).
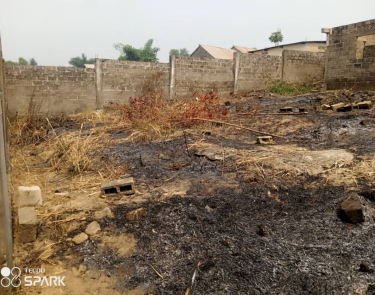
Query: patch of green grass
point(285, 88)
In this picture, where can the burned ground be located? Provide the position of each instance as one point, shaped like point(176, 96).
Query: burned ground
point(257, 219)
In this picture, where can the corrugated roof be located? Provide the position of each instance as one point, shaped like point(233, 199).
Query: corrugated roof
point(283, 45)
point(218, 52)
point(243, 49)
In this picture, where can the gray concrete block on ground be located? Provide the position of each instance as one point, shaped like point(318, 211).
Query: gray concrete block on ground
point(29, 196)
point(27, 225)
point(121, 186)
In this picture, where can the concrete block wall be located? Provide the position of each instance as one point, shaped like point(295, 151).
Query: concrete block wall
point(55, 90)
point(345, 70)
point(256, 70)
point(124, 79)
point(369, 51)
point(303, 66)
point(202, 74)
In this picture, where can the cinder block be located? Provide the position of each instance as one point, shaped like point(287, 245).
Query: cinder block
point(364, 105)
point(122, 186)
point(265, 140)
point(286, 109)
point(337, 106)
point(29, 196)
point(27, 225)
point(345, 108)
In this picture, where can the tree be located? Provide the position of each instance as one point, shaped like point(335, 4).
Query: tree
point(80, 61)
point(9, 62)
point(33, 62)
point(146, 53)
point(22, 61)
point(182, 51)
point(276, 37)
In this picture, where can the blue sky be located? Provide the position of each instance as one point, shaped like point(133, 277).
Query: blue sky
point(54, 31)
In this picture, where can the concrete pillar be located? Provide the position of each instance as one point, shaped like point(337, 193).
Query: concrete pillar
point(2, 233)
point(284, 65)
point(6, 237)
point(98, 83)
point(172, 77)
point(236, 71)
point(327, 32)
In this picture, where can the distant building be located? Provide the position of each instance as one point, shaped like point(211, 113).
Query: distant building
point(213, 52)
point(312, 46)
point(242, 49)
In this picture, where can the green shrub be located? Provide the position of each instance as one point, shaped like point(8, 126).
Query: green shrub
point(285, 88)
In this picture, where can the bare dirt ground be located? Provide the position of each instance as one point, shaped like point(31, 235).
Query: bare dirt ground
point(252, 219)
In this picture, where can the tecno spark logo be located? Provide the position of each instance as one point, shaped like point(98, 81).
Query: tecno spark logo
point(12, 277)
point(15, 281)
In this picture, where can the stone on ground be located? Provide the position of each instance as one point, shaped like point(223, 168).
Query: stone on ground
point(352, 207)
point(106, 212)
point(366, 122)
point(136, 214)
point(80, 238)
point(92, 228)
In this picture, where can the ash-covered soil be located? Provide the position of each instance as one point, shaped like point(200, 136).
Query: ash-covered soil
point(265, 232)
point(249, 244)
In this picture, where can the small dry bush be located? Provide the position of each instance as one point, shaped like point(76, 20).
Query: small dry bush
point(28, 128)
point(151, 114)
point(74, 152)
